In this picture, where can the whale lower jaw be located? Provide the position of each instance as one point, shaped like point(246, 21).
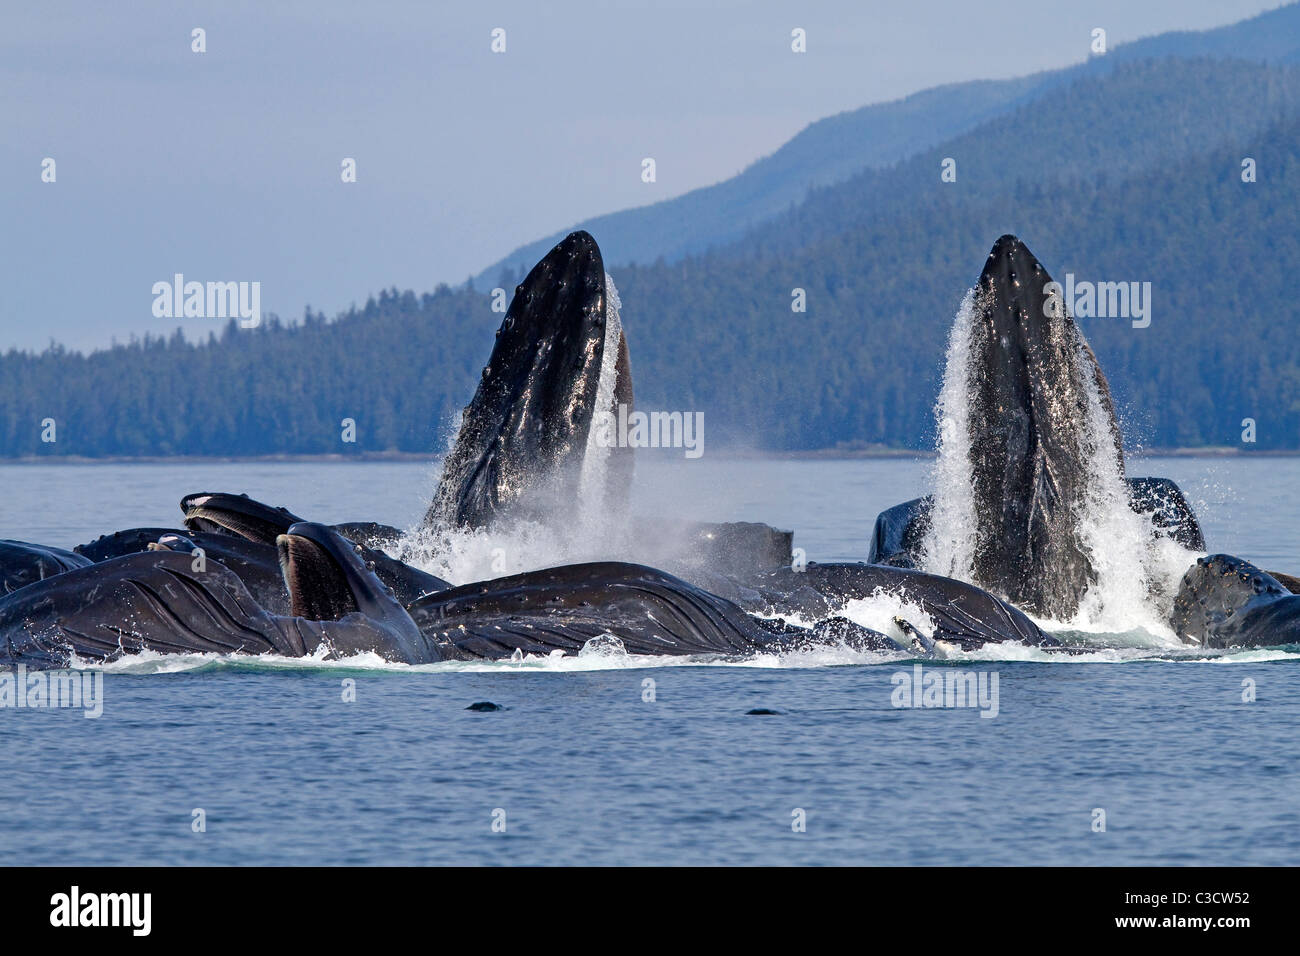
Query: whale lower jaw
point(318, 588)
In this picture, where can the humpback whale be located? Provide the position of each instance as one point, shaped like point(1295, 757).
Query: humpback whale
point(1224, 601)
point(248, 518)
point(223, 513)
point(257, 564)
point(156, 600)
point(23, 563)
point(1039, 421)
point(1032, 447)
point(119, 543)
point(240, 533)
point(560, 357)
point(1028, 447)
point(648, 611)
point(956, 613)
point(1288, 581)
point(241, 517)
point(527, 447)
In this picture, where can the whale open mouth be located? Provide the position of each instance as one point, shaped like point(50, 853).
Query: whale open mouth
point(237, 515)
point(319, 589)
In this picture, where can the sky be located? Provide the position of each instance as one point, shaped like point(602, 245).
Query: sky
point(226, 165)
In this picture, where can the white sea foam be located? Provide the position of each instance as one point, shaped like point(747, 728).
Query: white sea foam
point(884, 609)
point(150, 663)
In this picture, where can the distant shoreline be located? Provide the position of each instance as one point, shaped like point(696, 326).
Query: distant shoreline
point(816, 454)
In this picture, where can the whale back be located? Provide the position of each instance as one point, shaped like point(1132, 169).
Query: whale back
point(958, 613)
point(537, 612)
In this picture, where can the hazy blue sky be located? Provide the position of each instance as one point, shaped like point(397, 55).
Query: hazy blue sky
point(225, 165)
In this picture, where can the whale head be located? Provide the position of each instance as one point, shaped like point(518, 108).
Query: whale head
point(1032, 379)
point(332, 587)
point(239, 515)
point(559, 359)
point(326, 575)
point(1225, 601)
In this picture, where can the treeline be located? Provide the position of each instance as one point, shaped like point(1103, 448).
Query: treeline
point(1134, 176)
point(398, 368)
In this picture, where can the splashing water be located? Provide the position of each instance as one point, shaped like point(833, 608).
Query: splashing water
point(1137, 571)
point(884, 609)
point(595, 463)
point(462, 555)
point(563, 533)
point(605, 645)
point(949, 544)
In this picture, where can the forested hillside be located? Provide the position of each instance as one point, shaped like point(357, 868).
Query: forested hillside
point(884, 274)
point(399, 368)
point(1131, 175)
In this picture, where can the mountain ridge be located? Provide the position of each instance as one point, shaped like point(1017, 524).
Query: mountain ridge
point(834, 148)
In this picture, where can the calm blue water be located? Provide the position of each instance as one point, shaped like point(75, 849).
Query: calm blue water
point(586, 771)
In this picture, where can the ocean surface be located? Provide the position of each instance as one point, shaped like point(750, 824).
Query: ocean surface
point(589, 764)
